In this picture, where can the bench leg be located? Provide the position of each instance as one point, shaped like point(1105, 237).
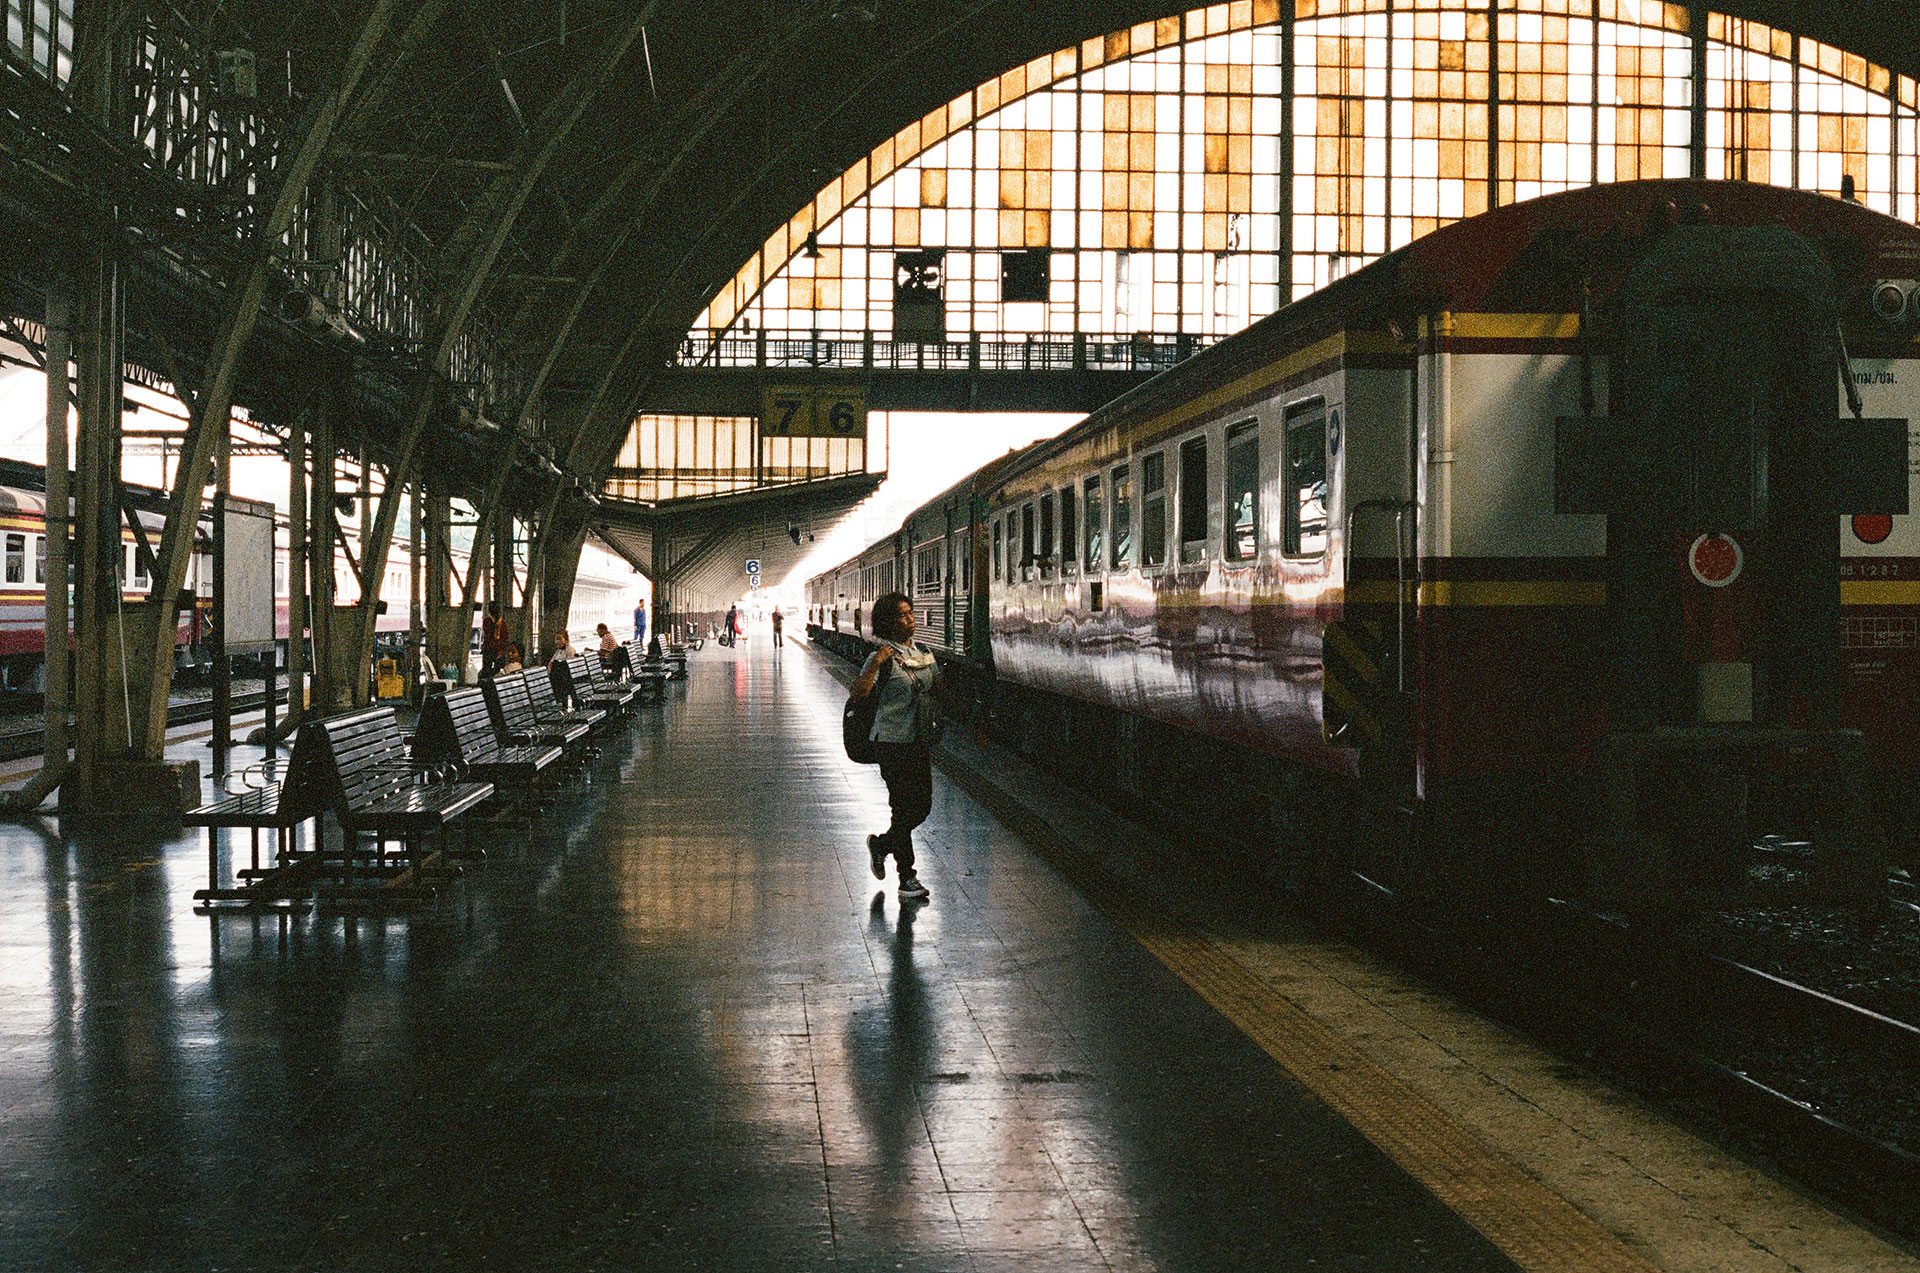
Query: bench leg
point(213, 858)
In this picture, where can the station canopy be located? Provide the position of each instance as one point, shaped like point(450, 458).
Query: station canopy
point(546, 207)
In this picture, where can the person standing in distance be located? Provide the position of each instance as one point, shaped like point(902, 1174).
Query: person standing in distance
point(905, 725)
point(640, 621)
point(779, 620)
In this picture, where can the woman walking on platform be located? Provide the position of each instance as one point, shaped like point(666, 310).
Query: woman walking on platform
point(905, 726)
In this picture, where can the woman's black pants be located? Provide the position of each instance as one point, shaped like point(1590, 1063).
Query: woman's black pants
point(907, 769)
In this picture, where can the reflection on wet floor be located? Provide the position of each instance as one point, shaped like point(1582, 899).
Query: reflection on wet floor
point(677, 1025)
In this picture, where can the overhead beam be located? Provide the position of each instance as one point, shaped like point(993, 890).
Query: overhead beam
point(477, 246)
point(605, 415)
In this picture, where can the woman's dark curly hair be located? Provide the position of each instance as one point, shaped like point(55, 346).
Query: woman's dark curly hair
point(886, 608)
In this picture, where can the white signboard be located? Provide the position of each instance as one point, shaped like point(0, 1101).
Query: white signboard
point(247, 576)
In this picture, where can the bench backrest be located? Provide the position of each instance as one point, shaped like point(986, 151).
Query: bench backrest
point(597, 676)
point(353, 760)
point(540, 694)
point(560, 682)
point(511, 704)
point(586, 673)
point(456, 726)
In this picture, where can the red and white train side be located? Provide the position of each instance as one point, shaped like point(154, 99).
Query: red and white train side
point(23, 524)
point(1353, 539)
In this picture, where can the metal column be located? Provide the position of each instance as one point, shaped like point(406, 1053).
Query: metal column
point(320, 532)
point(101, 726)
point(297, 553)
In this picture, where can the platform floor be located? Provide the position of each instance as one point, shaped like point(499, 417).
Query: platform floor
point(678, 1025)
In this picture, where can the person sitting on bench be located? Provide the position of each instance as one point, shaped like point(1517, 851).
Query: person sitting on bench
point(613, 655)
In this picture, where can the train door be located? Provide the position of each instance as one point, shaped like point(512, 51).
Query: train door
point(1363, 430)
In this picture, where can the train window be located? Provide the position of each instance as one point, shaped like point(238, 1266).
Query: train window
point(1243, 491)
point(39, 559)
point(1306, 481)
point(1122, 555)
point(1193, 500)
point(1026, 539)
point(1045, 551)
point(998, 549)
point(930, 566)
point(1091, 536)
point(1153, 509)
point(1069, 533)
point(16, 558)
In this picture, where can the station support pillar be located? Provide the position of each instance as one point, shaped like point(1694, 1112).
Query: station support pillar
point(560, 553)
point(447, 625)
point(112, 636)
point(298, 550)
point(334, 649)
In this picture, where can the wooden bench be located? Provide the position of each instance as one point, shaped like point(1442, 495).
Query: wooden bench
point(606, 683)
point(591, 685)
point(650, 677)
point(672, 662)
point(359, 765)
point(279, 804)
point(457, 728)
point(510, 702)
point(547, 705)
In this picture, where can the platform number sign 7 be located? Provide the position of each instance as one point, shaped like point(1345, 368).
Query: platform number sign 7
point(779, 423)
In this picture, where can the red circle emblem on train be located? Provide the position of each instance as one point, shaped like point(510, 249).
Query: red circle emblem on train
point(1715, 560)
point(1872, 528)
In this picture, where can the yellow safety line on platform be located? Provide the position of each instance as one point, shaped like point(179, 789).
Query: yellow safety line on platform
point(1531, 1224)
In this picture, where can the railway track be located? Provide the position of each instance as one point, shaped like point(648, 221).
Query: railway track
point(31, 742)
point(1788, 1067)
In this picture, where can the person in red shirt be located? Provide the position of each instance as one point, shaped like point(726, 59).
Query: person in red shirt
point(493, 640)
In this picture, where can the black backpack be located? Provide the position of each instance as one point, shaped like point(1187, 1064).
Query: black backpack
point(856, 721)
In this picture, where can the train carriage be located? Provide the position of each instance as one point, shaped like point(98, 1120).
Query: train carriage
point(23, 554)
point(1581, 522)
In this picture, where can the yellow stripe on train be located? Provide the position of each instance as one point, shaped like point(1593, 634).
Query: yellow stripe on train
point(1577, 592)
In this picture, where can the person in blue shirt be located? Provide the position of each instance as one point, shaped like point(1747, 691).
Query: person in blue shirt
point(640, 621)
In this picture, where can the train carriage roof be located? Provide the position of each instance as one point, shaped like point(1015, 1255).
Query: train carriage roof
point(1531, 257)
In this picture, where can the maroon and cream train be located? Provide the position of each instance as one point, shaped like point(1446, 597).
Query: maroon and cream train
point(1559, 527)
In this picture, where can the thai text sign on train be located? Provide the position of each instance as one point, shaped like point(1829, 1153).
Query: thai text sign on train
point(814, 411)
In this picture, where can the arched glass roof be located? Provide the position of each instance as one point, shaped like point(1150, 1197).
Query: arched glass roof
point(1192, 174)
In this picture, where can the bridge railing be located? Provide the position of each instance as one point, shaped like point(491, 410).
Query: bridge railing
point(1140, 353)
